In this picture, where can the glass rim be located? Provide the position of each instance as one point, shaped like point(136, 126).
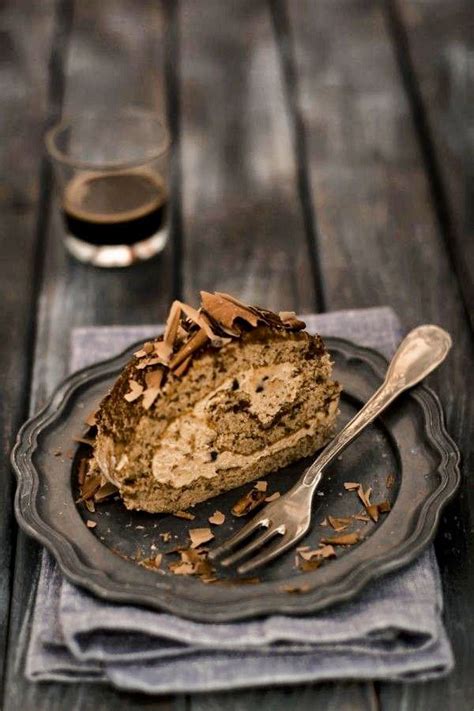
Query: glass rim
point(62, 157)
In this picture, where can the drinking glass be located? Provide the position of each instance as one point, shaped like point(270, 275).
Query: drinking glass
point(112, 173)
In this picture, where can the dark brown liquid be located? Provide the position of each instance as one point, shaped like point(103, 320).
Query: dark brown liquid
point(115, 208)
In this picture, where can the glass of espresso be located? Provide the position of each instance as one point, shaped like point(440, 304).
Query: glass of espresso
point(112, 174)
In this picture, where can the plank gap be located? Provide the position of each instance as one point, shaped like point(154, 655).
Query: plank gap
point(397, 33)
point(62, 29)
point(171, 9)
point(285, 45)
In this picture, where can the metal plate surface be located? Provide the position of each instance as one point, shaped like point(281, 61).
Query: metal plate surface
point(409, 441)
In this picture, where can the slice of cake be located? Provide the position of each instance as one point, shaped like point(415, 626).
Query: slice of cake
point(228, 394)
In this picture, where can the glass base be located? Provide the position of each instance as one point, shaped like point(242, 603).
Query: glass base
point(117, 255)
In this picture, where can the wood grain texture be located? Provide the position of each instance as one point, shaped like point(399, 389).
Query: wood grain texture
point(243, 225)
point(255, 179)
point(380, 244)
point(242, 220)
point(435, 43)
point(115, 57)
point(348, 696)
point(24, 57)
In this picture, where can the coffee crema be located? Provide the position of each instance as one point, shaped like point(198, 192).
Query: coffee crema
point(120, 208)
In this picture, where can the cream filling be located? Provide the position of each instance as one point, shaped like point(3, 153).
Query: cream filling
point(268, 389)
point(180, 466)
point(185, 451)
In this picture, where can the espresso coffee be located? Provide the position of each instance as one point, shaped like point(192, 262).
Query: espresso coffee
point(107, 209)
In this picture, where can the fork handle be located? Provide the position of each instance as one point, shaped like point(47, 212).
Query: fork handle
point(419, 354)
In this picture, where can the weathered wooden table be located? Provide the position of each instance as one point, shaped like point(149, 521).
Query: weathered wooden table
point(323, 161)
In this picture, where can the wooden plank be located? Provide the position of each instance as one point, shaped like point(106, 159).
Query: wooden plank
point(434, 42)
point(244, 228)
point(380, 244)
point(24, 89)
point(243, 225)
point(328, 697)
point(115, 58)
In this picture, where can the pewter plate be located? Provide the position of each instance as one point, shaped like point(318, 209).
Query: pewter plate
point(409, 442)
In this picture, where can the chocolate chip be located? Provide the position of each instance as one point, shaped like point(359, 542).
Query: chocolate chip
point(235, 384)
point(213, 454)
point(259, 389)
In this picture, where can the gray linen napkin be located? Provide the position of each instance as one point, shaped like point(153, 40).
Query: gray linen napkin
point(393, 630)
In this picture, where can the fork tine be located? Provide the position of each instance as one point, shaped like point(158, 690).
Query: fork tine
point(257, 543)
point(241, 535)
point(280, 546)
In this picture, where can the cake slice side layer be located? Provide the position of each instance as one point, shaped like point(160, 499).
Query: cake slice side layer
point(241, 410)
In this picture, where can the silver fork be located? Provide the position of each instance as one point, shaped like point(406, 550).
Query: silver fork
point(288, 518)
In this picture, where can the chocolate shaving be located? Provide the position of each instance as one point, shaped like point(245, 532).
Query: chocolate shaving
point(346, 539)
point(226, 310)
point(154, 378)
point(201, 320)
point(148, 363)
point(82, 471)
point(290, 320)
point(364, 496)
point(196, 341)
point(146, 349)
point(181, 568)
point(217, 518)
point(140, 354)
point(390, 481)
point(319, 553)
point(248, 503)
point(339, 523)
point(192, 563)
point(149, 397)
point(181, 369)
point(135, 391)
point(163, 350)
point(306, 566)
point(172, 323)
point(91, 524)
point(91, 485)
point(151, 563)
point(89, 504)
point(106, 490)
point(261, 485)
point(199, 536)
point(184, 514)
point(373, 511)
point(166, 536)
point(351, 485)
point(91, 419)
point(85, 440)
